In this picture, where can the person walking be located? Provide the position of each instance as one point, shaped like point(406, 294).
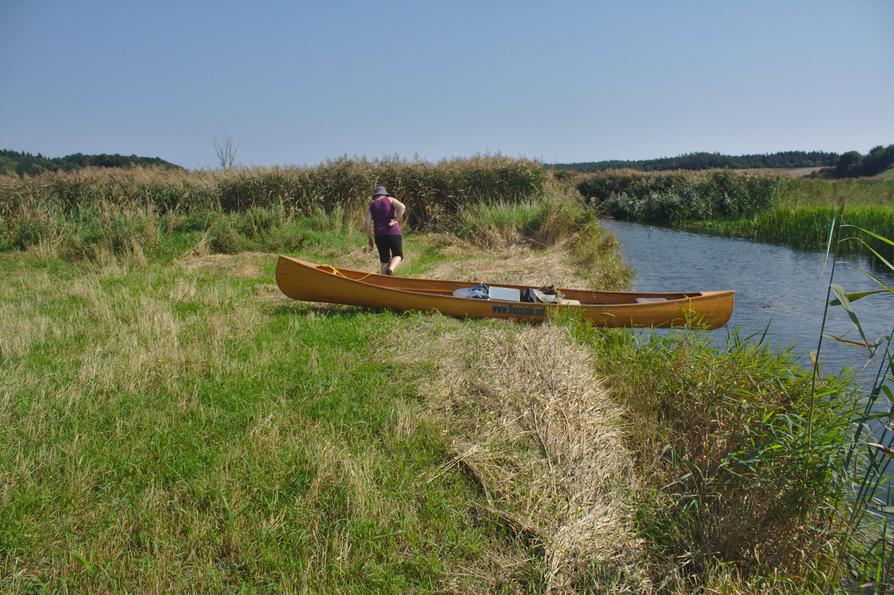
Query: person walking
point(383, 222)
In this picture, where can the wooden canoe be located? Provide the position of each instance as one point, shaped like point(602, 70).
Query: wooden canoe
point(307, 281)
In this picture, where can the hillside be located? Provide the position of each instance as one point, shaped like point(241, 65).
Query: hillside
point(888, 174)
point(21, 163)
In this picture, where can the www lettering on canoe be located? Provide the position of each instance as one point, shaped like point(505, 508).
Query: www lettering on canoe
point(519, 310)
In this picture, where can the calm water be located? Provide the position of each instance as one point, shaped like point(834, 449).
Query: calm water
point(774, 284)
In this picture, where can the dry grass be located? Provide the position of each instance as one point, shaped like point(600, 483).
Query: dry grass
point(565, 264)
point(515, 264)
point(243, 264)
point(532, 425)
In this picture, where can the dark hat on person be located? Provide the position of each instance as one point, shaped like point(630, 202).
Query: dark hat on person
point(380, 191)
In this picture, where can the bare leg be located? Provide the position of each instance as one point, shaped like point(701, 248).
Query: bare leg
point(392, 266)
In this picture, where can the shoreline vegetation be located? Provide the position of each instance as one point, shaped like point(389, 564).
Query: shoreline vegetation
point(755, 206)
point(173, 422)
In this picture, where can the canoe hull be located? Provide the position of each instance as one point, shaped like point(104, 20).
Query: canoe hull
point(307, 281)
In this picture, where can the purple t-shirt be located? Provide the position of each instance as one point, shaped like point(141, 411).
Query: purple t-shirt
point(382, 211)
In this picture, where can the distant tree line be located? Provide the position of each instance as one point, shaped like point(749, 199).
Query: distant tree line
point(853, 164)
point(21, 163)
point(696, 161)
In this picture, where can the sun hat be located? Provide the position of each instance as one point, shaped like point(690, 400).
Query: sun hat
point(380, 191)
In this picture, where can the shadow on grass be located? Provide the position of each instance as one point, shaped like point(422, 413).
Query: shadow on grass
point(325, 310)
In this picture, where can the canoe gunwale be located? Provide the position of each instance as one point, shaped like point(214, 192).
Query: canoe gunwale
point(308, 281)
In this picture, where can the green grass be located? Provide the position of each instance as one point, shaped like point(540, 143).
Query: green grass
point(173, 429)
point(730, 479)
point(171, 423)
point(816, 193)
point(804, 227)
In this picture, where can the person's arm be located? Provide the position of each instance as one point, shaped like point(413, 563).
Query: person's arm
point(399, 208)
point(369, 230)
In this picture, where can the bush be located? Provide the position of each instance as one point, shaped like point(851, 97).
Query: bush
point(671, 198)
point(29, 231)
point(223, 237)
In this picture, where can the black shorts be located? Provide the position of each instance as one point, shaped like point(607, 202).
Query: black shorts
point(392, 244)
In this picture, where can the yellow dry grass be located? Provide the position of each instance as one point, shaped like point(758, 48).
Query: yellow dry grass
point(515, 264)
point(534, 427)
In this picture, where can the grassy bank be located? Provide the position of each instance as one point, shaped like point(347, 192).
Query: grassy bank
point(735, 495)
point(177, 424)
point(795, 212)
point(174, 423)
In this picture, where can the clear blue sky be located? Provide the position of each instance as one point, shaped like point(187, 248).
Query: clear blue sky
point(300, 82)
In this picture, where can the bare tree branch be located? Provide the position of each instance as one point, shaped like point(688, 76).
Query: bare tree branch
point(226, 151)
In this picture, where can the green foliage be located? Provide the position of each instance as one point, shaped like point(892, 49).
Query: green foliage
point(699, 161)
point(866, 543)
point(21, 163)
point(496, 223)
point(854, 164)
point(223, 237)
point(29, 232)
point(806, 227)
point(671, 198)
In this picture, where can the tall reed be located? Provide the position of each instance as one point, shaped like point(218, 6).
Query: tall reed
point(866, 542)
point(80, 210)
point(806, 227)
point(435, 189)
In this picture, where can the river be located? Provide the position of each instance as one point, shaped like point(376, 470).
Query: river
point(775, 285)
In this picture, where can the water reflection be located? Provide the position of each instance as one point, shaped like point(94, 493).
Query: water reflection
point(774, 284)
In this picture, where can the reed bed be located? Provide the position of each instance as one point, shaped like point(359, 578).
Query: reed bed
point(762, 207)
point(736, 495)
point(808, 227)
point(668, 198)
point(79, 213)
point(437, 189)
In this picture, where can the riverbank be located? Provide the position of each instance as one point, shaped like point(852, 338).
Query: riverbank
point(808, 227)
point(197, 429)
point(761, 207)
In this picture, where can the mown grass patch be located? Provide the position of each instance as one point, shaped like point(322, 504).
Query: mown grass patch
point(528, 420)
